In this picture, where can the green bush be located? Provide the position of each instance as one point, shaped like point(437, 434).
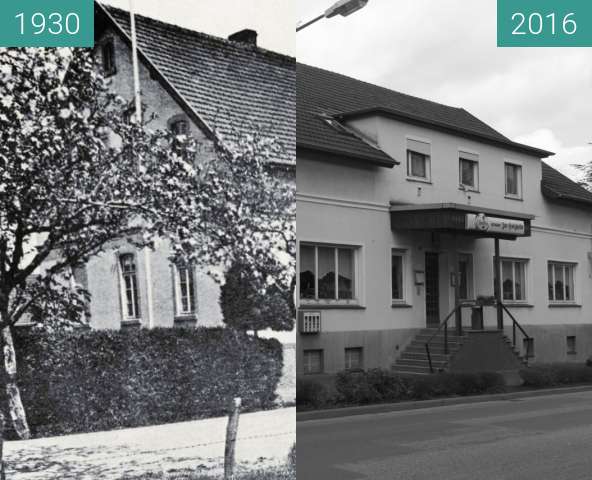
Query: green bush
point(556, 374)
point(98, 380)
point(377, 386)
point(311, 394)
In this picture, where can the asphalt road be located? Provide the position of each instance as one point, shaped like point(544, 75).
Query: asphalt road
point(537, 438)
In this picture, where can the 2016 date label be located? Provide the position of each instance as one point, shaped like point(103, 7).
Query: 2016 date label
point(544, 23)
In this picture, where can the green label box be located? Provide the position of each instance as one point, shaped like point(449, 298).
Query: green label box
point(544, 23)
point(47, 23)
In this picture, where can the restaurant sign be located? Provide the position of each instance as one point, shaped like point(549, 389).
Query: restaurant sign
point(483, 223)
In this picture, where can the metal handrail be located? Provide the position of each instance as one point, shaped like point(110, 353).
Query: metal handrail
point(515, 324)
point(443, 324)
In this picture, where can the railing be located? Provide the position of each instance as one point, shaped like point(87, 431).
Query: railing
point(443, 325)
point(460, 306)
point(515, 325)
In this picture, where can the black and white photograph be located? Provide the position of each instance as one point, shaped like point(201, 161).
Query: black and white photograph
point(444, 232)
point(147, 246)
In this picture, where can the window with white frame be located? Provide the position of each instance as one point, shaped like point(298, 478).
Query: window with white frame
point(354, 359)
point(397, 275)
point(327, 272)
point(465, 276)
point(312, 361)
point(561, 281)
point(513, 277)
point(185, 289)
point(129, 280)
point(513, 174)
point(469, 171)
point(418, 160)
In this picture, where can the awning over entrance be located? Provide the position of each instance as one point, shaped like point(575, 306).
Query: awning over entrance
point(461, 219)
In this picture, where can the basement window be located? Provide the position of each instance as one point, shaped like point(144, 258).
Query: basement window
point(528, 347)
point(571, 345)
point(353, 359)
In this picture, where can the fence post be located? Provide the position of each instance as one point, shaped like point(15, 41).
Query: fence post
point(231, 432)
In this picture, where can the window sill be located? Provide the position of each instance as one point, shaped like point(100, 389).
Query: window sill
point(517, 305)
point(131, 323)
point(572, 353)
point(330, 306)
point(511, 197)
point(419, 180)
point(188, 319)
point(467, 189)
point(565, 305)
point(401, 305)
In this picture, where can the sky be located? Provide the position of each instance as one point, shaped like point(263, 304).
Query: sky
point(446, 51)
point(274, 20)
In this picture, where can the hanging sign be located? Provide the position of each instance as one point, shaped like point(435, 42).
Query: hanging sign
point(483, 223)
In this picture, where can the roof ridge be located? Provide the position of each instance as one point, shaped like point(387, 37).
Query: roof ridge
point(389, 90)
point(222, 40)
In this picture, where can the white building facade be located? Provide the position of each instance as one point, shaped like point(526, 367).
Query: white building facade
point(399, 205)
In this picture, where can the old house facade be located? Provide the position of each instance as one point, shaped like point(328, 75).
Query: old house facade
point(200, 85)
point(401, 205)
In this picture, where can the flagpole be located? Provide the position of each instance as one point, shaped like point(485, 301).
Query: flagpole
point(136, 67)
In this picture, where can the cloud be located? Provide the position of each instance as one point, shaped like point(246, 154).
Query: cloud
point(565, 157)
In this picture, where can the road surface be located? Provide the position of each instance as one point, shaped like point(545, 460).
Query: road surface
point(537, 438)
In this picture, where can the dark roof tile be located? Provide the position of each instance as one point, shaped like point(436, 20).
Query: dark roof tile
point(557, 186)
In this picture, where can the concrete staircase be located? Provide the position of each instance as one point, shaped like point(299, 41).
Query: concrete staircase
point(414, 359)
point(485, 351)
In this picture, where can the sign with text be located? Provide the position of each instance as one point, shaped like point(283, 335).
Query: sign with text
point(544, 23)
point(484, 223)
point(47, 23)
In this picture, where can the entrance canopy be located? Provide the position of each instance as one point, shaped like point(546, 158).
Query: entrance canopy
point(461, 219)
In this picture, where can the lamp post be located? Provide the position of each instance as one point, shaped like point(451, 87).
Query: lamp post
point(342, 7)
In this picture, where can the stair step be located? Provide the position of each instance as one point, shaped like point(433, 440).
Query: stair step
point(422, 356)
point(413, 368)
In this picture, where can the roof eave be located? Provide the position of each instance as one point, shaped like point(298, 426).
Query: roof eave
point(536, 152)
point(554, 195)
point(385, 161)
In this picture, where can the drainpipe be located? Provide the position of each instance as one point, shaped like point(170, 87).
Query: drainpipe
point(498, 286)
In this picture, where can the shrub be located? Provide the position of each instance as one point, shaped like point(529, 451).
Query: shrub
point(97, 380)
point(376, 386)
point(311, 394)
point(556, 374)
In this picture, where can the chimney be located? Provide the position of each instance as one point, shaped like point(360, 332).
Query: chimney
point(246, 36)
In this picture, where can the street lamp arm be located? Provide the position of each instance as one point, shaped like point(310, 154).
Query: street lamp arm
point(304, 25)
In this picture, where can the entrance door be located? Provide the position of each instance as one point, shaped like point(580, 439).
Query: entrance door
point(432, 289)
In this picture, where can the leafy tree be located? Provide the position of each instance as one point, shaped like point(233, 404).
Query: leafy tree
point(66, 193)
point(586, 170)
point(246, 306)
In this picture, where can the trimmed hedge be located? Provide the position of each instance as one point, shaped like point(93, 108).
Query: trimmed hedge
point(550, 375)
point(99, 380)
point(383, 386)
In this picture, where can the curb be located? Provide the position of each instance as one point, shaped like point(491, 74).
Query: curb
point(419, 404)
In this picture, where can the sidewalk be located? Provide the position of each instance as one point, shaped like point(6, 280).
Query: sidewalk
point(264, 440)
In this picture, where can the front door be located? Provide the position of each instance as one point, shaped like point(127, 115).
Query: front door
point(432, 289)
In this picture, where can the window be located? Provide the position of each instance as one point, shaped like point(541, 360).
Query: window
point(571, 345)
point(469, 174)
point(131, 304)
point(465, 276)
point(353, 358)
point(418, 160)
point(108, 58)
point(528, 347)
point(397, 275)
point(327, 273)
point(418, 165)
point(513, 276)
point(561, 281)
point(185, 289)
point(180, 127)
point(513, 180)
point(313, 361)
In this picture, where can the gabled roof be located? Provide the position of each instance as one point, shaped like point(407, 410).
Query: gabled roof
point(322, 93)
point(233, 88)
point(556, 186)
